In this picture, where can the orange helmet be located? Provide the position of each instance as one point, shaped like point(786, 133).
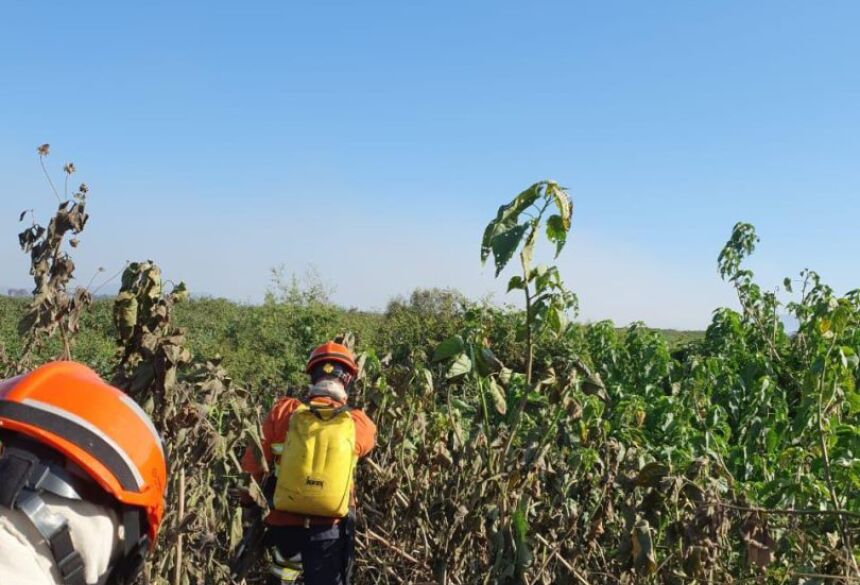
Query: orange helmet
point(66, 406)
point(333, 352)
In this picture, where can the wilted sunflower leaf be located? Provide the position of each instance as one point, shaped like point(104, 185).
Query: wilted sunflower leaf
point(462, 365)
point(643, 548)
point(499, 398)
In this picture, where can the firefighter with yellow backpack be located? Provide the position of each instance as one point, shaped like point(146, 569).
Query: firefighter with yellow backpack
point(313, 444)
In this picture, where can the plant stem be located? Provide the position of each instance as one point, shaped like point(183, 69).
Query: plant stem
point(177, 575)
point(486, 414)
point(48, 176)
point(67, 348)
point(831, 489)
point(529, 316)
point(529, 348)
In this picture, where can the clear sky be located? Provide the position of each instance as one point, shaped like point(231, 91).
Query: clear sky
point(374, 140)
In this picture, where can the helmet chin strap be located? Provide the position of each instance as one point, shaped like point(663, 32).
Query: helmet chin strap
point(26, 558)
point(29, 477)
point(25, 479)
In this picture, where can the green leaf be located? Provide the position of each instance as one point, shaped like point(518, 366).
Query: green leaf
point(853, 399)
point(556, 319)
point(448, 348)
point(493, 229)
point(556, 232)
point(520, 525)
point(462, 365)
point(505, 244)
point(849, 357)
point(462, 405)
point(539, 273)
point(488, 363)
point(507, 219)
point(516, 282)
point(511, 212)
point(739, 246)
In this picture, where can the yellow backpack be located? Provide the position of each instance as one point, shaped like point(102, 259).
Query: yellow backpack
point(315, 473)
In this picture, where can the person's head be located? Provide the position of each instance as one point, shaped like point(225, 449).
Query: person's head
point(67, 433)
point(332, 365)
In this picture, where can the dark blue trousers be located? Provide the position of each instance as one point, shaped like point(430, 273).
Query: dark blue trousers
point(327, 551)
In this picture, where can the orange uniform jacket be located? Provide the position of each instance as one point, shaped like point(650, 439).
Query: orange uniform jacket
point(275, 429)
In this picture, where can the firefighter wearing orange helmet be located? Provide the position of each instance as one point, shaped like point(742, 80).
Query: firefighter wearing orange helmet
point(313, 444)
point(82, 479)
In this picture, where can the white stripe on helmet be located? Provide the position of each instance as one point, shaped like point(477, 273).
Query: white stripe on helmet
point(93, 429)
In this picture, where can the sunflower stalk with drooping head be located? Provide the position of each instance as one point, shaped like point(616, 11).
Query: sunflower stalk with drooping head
point(52, 310)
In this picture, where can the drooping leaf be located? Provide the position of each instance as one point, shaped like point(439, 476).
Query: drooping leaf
point(448, 348)
point(651, 474)
point(490, 361)
point(493, 229)
point(516, 282)
point(759, 543)
point(180, 292)
point(462, 365)
point(506, 219)
point(498, 395)
point(562, 203)
point(556, 319)
point(643, 548)
point(528, 250)
point(125, 314)
point(556, 232)
point(428, 380)
point(129, 276)
point(510, 212)
point(236, 528)
point(505, 244)
point(520, 527)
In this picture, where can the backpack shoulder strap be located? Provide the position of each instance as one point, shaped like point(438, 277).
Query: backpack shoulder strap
point(317, 409)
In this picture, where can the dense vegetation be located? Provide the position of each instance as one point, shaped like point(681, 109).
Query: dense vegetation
point(515, 446)
point(264, 345)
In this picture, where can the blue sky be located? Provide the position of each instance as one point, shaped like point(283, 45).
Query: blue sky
point(374, 140)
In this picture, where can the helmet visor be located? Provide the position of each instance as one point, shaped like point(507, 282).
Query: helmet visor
point(330, 369)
